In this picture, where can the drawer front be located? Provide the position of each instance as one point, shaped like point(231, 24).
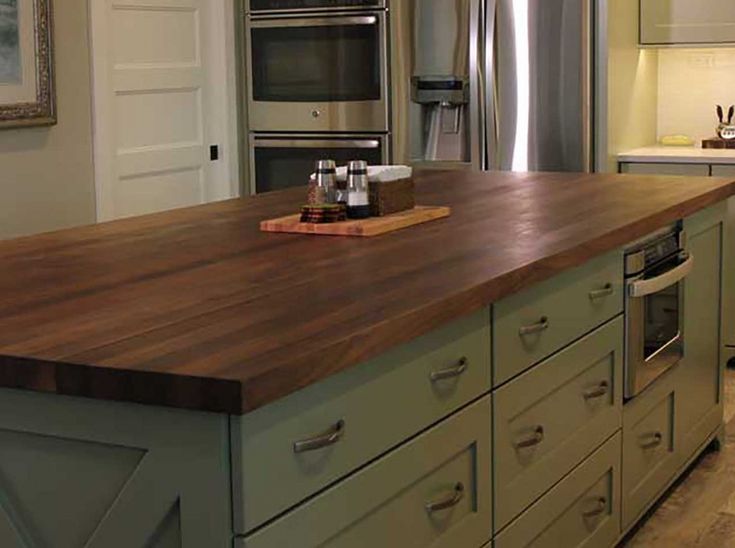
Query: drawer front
point(581, 511)
point(377, 406)
point(649, 451)
point(387, 503)
point(535, 323)
point(701, 170)
point(723, 170)
point(550, 418)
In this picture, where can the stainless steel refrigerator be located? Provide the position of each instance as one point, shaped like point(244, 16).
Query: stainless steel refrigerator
point(492, 84)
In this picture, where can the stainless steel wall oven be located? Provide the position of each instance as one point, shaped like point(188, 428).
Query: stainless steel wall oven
point(317, 71)
point(282, 161)
point(655, 273)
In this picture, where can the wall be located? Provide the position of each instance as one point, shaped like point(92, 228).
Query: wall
point(632, 83)
point(46, 174)
point(691, 83)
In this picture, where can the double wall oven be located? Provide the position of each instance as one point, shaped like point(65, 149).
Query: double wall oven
point(317, 86)
point(655, 272)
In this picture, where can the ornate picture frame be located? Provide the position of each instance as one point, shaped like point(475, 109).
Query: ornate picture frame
point(27, 84)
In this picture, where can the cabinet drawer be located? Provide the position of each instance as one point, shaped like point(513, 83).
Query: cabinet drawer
point(580, 511)
point(543, 319)
point(378, 405)
point(649, 451)
point(550, 418)
point(386, 503)
point(701, 170)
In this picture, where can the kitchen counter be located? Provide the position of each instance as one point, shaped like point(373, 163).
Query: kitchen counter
point(684, 155)
point(196, 308)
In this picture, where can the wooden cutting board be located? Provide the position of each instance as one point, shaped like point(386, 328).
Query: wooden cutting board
point(373, 226)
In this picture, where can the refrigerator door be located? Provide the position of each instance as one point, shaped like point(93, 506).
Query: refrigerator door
point(436, 83)
point(539, 86)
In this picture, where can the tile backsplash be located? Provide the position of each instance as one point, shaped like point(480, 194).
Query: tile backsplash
point(690, 83)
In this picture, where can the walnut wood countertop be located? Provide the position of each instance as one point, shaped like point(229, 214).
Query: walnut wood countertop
point(197, 309)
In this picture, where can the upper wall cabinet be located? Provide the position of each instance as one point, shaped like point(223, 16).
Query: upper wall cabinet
point(687, 22)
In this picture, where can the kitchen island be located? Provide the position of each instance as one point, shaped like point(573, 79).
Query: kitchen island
point(195, 380)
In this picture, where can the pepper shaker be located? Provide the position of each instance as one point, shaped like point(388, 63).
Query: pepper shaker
point(358, 205)
point(322, 188)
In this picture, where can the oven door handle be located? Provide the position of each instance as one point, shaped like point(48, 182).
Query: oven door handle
point(297, 22)
point(642, 288)
point(326, 143)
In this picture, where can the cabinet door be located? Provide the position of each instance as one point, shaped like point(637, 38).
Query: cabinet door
point(699, 405)
point(77, 472)
point(687, 22)
point(701, 170)
point(728, 297)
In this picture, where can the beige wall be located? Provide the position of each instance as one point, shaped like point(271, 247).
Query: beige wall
point(632, 83)
point(691, 83)
point(46, 174)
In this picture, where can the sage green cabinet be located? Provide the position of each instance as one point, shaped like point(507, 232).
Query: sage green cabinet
point(682, 22)
point(650, 445)
point(531, 325)
point(100, 474)
point(699, 408)
point(699, 170)
point(581, 511)
point(551, 417)
point(433, 491)
point(374, 406)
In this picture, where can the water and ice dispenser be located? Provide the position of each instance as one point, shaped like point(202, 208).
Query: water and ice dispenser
point(444, 102)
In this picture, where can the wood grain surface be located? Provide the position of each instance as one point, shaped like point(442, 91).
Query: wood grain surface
point(198, 308)
point(374, 226)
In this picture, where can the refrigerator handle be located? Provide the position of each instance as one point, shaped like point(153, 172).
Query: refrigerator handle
point(490, 94)
point(477, 86)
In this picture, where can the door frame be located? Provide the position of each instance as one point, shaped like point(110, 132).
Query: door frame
point(222, 64)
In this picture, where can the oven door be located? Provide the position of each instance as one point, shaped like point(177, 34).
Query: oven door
point(654, 322)
point(318, 73)
point(278, 162)
point(278, 6)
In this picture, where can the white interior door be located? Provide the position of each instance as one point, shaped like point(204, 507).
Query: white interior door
point(164, 94)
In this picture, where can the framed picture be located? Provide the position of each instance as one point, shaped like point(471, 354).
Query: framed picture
point(27, 94)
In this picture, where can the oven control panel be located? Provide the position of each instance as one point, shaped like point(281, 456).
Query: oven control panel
point(661, 249)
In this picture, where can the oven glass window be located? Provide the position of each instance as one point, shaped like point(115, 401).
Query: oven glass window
point(661, 318)
point(317, 63)
point(279, 168)
point(262, 5)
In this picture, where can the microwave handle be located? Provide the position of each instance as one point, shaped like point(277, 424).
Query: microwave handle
point(286, 22)
point(642, 288)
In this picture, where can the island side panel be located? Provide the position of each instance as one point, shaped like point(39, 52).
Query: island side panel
point(77, 472)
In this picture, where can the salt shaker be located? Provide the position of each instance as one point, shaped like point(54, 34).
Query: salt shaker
point(322, 190)
point(358, 205)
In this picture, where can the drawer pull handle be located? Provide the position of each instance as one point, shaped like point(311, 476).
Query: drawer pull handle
point(330, 437)
point(606, 291)
point(538, 327)
point(600, 507)
point(447, 502)
point(655, 441)
point(450, 372)
point(598, 392)
point(538, 437)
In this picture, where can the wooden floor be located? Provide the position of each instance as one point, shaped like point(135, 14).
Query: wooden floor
point(700, 511)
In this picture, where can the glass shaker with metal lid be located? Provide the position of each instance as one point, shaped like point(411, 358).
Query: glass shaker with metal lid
point(322, 189)
point(358, 205)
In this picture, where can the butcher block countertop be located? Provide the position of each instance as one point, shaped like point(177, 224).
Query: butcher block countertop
point(198, 309)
